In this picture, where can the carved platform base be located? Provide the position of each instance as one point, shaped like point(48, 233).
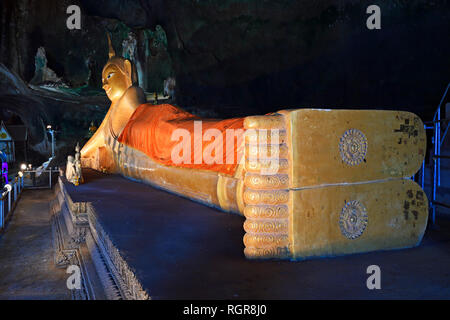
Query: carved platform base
point(80, 240)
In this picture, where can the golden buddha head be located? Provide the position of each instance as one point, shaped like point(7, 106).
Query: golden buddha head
point(118, 75)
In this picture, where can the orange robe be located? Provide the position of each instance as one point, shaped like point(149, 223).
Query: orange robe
point(150, 131)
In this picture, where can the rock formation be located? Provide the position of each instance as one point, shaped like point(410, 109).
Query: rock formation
point(36, 107)
point(43, 75)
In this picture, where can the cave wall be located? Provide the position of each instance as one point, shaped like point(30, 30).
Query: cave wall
point(27, 25)
point(70, 115)
point(233, 58)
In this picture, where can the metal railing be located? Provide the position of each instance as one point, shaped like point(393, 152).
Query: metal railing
point(27, 179)
point(437, 125)
point(9, 197)
point(435, 185)
point(437, 120)
point(40, 179)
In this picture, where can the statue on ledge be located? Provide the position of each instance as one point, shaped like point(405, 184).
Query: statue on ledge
point(73, 168)
point(77, 164)
point(70, 169)
point(92, 129)
point(310, 182)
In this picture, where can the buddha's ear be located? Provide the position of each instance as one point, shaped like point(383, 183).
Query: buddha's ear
point(131, 71)
point(128, 68)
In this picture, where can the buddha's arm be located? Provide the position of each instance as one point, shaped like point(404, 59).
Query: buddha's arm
point(119, 112)
point(96, 141)
point(125, 108)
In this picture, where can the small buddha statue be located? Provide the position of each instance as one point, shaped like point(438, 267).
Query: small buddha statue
point(77, 165)
point(74, 172)
point(92, 129)
point(70, 169)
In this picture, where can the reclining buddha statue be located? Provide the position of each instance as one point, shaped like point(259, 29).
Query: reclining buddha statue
point(310, 182)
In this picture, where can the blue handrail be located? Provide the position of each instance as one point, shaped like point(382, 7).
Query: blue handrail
point(437, 137)
point(436, 156)
point(11, 194)
point(440, 103)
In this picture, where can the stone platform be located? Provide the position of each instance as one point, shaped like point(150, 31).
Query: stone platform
point(137, 242)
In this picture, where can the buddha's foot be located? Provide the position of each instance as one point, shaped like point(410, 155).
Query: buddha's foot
point(324, 183)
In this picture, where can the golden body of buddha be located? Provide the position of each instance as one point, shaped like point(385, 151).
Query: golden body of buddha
point(341, 183)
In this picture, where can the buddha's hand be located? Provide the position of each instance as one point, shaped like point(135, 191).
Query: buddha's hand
point(266, 192)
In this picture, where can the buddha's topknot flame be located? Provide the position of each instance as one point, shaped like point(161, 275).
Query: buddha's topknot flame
point(112, 52)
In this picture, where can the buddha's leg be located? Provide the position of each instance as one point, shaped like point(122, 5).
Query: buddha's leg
point(96, 153)
point(90, 152)
point(340, 187)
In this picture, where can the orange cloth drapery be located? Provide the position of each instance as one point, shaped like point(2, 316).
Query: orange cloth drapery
point(157, 129)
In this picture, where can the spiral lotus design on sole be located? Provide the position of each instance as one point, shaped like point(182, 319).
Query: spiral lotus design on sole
point(353, 220)
point(353, 147)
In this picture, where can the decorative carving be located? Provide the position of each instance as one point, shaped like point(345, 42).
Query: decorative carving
point(267, 253)
point(86, 231)
point(266, 240)
point(130, 287)
point(353, 147)
point(267, 136)
point(353, 219)
point(255, 181)
point(77, 237)
point(267, 211)
point(266, 196)
point(266, 226)
point(266, 151)
point(64, 258)
point(257, 165)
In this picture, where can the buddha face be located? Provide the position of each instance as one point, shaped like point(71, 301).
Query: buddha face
point(116, 81)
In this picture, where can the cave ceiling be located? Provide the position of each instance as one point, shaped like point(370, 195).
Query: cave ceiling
point(249, 56)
